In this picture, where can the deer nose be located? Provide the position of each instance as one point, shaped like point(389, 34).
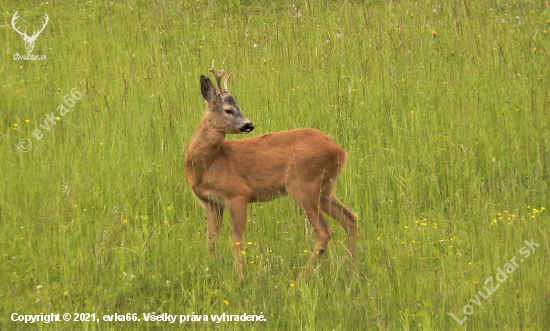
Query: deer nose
point(248, 127)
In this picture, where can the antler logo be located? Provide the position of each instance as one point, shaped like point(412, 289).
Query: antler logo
point(29, 41)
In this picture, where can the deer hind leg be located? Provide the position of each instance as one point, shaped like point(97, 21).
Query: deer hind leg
point(337, 210)
point(323, 233)
point(320, 228)
point(214, 216)
point(308, 199)
point(237, 208)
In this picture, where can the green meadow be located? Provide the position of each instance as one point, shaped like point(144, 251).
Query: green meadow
point(442, 106)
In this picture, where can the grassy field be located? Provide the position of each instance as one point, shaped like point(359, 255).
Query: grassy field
point(443, 107)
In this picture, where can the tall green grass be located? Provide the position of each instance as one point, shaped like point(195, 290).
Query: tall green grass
point(443, 107)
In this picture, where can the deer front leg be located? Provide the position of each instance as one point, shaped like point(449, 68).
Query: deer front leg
point(214, 216)
point(237, 208)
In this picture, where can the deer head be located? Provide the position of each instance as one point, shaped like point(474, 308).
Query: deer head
point(223, 112)
point(29, 41)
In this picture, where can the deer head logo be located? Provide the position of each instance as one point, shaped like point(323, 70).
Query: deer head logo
point(29, 41)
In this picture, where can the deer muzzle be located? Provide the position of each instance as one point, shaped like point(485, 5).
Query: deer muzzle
point(247, 128)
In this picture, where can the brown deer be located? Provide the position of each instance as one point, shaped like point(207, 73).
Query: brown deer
point(303, 163)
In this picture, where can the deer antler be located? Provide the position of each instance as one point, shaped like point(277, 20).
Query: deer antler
point(219, 77)
point(35, 34)
point(15, 17)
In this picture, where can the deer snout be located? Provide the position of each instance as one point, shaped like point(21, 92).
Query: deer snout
point(247, 128)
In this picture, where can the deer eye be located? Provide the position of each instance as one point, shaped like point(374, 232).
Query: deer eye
point(229, 111)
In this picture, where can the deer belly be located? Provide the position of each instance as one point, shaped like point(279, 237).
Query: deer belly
point(267, 194)
point(211, 195)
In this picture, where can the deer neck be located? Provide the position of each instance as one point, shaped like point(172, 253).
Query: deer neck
point(204, 145)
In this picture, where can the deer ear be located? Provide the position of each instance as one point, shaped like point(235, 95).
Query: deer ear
point(207, 89)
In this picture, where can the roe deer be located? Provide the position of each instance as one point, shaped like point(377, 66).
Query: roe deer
point(303, 163)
